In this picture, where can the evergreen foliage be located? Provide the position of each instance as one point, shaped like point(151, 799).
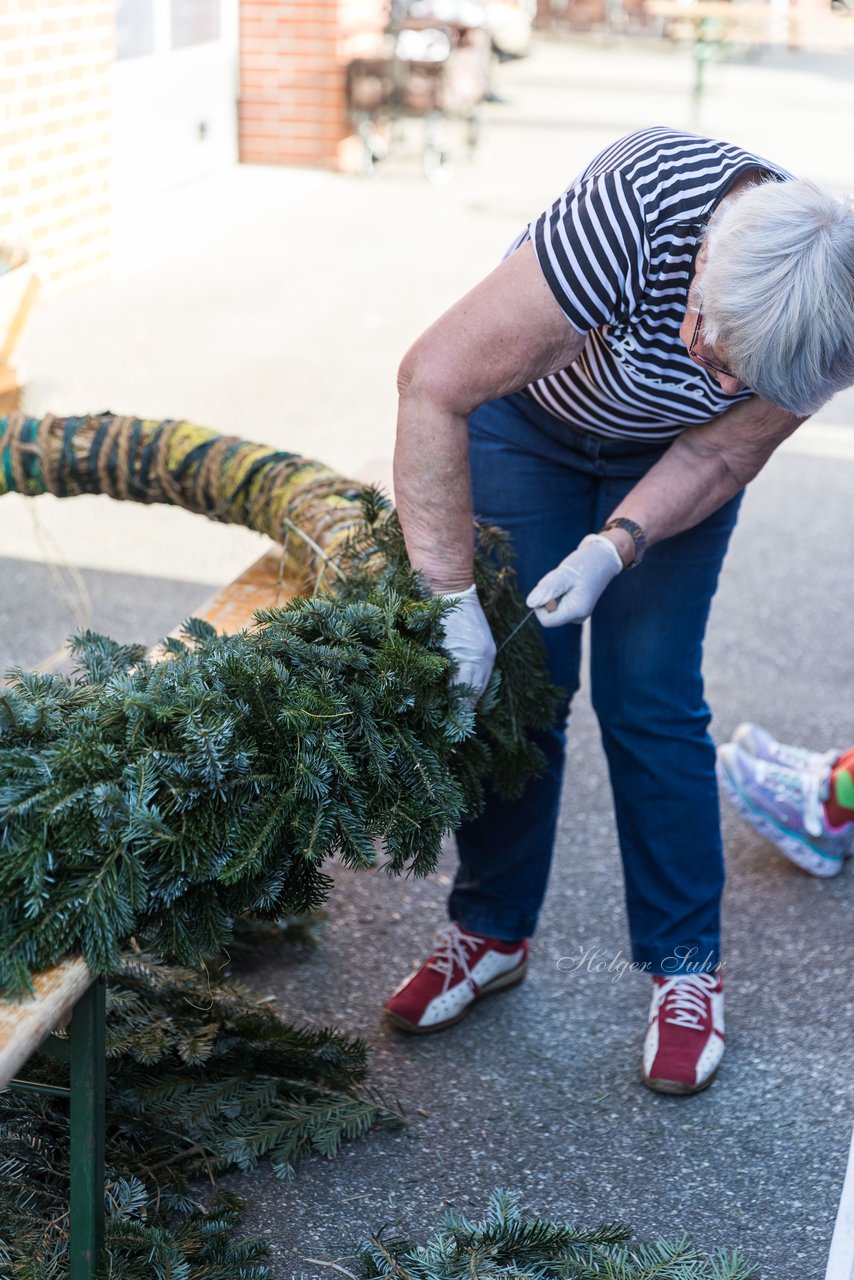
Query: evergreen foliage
point(161, 800)
point(506, 1245)
point(150, 1240)
point(202, 1078)
point(178, 804)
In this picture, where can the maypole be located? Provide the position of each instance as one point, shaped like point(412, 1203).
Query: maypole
point(303, 504)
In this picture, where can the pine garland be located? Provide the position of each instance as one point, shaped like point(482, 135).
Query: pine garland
point(202, 1078)
point(161, 800)
point(507, 1245)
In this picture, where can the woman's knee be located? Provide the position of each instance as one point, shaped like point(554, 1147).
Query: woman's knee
point(654, 699)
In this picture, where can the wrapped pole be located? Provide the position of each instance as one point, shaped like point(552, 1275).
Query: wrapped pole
point(303, 504)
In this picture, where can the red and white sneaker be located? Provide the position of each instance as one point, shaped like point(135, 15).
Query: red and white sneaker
point(684, 1041)
point(463, 968)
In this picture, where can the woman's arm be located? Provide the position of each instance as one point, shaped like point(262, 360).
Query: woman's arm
point(507, 332)
point(703, 468)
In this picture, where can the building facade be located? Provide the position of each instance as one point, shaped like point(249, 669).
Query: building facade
point(104, 103)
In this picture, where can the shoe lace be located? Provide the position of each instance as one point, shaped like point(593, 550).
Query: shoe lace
point(684, 999)
point(803, 760)
point(803, 791)
point(451, 950)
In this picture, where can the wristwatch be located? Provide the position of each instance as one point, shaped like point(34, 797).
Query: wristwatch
point(634, 531)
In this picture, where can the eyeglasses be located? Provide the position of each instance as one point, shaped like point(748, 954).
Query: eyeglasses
point(709, 364)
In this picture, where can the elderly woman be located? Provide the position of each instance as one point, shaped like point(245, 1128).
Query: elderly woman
point(612, 386)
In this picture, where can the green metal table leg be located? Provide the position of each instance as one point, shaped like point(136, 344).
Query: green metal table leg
point(88, 1072)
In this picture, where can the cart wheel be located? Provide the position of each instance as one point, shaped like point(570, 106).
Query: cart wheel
point(438, 166)
point(367, 159)
point(374, 147)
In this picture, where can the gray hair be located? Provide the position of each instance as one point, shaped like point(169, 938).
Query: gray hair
point(777, 292)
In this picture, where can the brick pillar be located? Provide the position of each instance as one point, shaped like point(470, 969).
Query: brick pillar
point(56, 63)
point(293, 56)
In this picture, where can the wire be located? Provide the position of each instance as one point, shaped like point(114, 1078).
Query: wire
point(79, 605)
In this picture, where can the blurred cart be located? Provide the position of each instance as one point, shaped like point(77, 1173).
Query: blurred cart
point(432, 67)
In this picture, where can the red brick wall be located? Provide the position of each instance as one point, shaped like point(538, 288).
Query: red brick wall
point(293, 56)
point(56, 59)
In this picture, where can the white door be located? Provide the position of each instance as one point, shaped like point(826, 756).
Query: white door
point(175, 93)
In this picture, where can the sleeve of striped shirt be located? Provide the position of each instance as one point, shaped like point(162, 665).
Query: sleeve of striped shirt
point(592, 247)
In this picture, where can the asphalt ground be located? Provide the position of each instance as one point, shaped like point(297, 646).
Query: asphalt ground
point(277, 304)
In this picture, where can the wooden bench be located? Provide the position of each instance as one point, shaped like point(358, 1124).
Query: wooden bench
point(68, 995)
point(713, 24)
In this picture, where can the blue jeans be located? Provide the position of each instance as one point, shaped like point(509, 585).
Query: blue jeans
point(549, 485)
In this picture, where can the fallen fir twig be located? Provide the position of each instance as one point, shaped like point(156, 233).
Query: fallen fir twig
point(202, 1079)
point(508, 1245)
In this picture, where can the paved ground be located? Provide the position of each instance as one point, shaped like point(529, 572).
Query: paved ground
point(277, 304)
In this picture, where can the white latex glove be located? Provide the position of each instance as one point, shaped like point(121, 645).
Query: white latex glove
point(469, 640)
point(577, 582)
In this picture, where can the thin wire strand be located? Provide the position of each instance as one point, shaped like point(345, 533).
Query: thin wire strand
point(79, 605)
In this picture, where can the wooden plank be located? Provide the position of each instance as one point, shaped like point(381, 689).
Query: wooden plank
point(697, 10)
point(23, 307)
point(10, 390)
point(840, 1264)
point(753, 24)
point(259, 587)
point(23, 1026)
point(832, 31)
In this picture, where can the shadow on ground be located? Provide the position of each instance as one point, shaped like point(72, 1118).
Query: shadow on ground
point(42, 604)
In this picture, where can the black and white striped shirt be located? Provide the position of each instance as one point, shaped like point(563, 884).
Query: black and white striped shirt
point(617, 249)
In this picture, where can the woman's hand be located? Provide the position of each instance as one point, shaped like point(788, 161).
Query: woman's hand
point(469, 641)
point(574, 587)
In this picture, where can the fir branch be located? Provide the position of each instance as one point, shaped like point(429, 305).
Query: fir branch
point(163, 800)
point(506, 1245)
point(264, 1090)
